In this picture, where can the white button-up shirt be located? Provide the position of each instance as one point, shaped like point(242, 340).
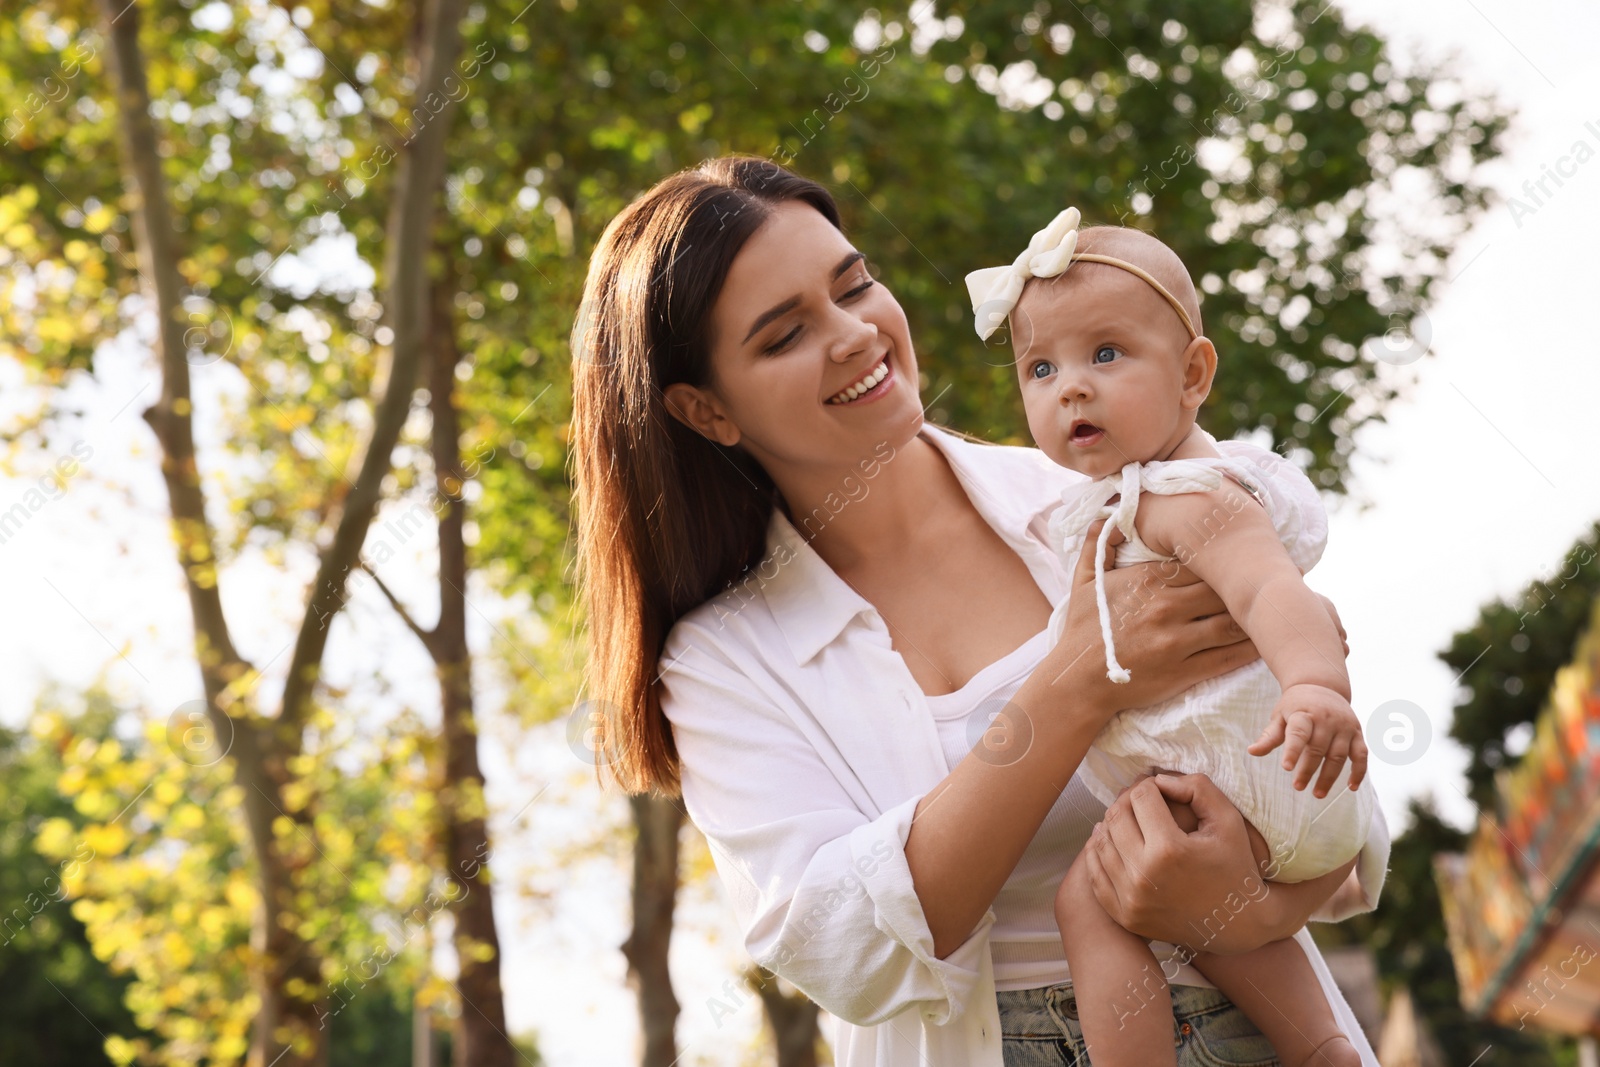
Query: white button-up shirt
point(805, 744)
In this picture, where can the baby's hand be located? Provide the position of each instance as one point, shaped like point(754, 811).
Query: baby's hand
point(1320, 727)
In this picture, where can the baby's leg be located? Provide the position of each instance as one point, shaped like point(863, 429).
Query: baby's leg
point(1124, 1005)
point(1275, 986)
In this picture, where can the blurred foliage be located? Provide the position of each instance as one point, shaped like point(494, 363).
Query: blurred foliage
point(1507, 662)
point(54, 982)
point(1264, 141)
point(375, 1030)
point(166, 891)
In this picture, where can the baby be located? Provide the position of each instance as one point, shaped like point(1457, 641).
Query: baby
point(1113, 368)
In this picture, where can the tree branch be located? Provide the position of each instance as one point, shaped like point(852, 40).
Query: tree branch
point(425, 636)
point(408, 242)
point(171, 417)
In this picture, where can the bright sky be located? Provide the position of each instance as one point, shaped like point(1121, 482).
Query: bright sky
point(1479, 481)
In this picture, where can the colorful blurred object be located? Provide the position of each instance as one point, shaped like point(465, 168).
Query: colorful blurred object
point(1521, 904)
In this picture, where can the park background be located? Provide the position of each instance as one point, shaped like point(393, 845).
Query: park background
point(1423, 346)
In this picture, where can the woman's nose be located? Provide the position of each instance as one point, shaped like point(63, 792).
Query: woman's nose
point(855, 335)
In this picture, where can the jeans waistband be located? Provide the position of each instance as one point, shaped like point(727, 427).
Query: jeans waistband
point(1045, 1010)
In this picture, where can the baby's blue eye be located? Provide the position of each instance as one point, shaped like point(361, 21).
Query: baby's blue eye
point(1105, 351)
point(1041, 369)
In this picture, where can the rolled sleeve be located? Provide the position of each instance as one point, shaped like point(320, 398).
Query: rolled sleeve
point(820, 888)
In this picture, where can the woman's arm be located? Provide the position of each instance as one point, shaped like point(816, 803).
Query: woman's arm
point(970, 830)
point(1200, 888)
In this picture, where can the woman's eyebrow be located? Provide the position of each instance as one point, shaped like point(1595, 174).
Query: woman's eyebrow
point(770, 314)
point(794, 301)
point(847, 262)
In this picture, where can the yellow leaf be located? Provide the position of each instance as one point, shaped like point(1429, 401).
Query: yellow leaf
point(121, 1051)
point(179, 953)
point(55, 838)
point(242, 895)
point(72, 781)
point(100, 219)
point(106, 840)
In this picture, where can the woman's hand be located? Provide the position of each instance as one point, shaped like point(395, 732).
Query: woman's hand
point(1170, 630)
point(1201, 889)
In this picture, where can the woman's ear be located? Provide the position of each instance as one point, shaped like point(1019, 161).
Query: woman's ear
point(702, 412)
point(1199, 369)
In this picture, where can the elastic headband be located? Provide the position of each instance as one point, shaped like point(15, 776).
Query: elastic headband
point(995, 290)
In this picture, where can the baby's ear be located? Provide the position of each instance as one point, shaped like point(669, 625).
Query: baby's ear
point(1199, 368)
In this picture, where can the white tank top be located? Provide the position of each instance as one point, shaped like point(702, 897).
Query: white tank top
point(1024, 940)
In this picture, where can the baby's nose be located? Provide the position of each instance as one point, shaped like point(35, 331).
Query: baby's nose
point(1072, 389)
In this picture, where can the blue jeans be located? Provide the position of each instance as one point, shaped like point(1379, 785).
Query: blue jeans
point(1039, 1028)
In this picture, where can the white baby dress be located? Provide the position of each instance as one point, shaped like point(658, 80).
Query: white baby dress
point(1208, 727)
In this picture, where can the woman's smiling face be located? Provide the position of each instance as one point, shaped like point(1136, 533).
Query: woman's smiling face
point(811, 359)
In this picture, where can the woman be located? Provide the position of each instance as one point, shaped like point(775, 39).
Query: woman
point(805, 607)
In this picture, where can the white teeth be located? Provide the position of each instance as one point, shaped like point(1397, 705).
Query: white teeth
point(847, 395)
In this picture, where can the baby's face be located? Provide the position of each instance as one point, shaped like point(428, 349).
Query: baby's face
point(1101, 360)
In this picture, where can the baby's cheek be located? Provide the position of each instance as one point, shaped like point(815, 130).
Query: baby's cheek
point(1045, 428)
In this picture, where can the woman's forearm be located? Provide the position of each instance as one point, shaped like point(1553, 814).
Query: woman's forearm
point(1286, 908)
point(970, 830)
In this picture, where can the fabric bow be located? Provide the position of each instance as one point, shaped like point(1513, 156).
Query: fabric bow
point(1085, 505)
point(994, 290)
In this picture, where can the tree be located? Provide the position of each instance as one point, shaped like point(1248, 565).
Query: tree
point(287, 976)
point(1508, 658)
point(791, 1016)
point(483, 1039)
point(265, 752)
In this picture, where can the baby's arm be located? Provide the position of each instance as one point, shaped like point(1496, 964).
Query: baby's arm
point(1228, 541)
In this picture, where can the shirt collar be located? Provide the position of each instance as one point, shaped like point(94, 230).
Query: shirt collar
point(812, 605)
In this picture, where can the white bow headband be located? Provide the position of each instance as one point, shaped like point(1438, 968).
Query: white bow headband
point(995, 290)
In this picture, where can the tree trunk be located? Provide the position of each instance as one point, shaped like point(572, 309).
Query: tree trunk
point(793, 1019)
point(284, 1021)
point(480, 1038)
point(655, 889)
point(480, 1033)
point(421, 1035)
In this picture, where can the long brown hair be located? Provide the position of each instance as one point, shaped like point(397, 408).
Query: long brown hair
point(666, 517)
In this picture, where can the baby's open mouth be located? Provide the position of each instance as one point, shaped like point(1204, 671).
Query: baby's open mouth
point(1084, 433)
